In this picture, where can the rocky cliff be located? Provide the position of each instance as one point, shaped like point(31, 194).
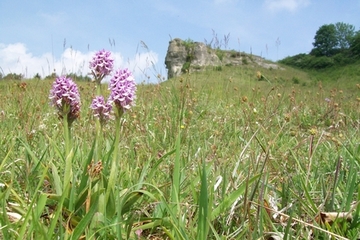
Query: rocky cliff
point(183, 56)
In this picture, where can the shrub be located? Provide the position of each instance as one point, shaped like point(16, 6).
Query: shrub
point(188, 43)
point(235, 54)
point(295, 80)
point(321, 62)
point(13, 76)
point(37, 76)
point(185, 68)
point(217, 68)
point(341, 59)
point(220, 54)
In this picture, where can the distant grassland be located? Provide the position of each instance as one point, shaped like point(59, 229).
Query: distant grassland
point(258, 153)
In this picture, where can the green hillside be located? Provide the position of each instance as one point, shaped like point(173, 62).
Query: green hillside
point(232, 152)
point(241, 79)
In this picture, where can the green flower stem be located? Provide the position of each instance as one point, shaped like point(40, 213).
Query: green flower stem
point(66, 125)
point(67, 135)
point(98, 150)
point(98, 89)
point(98, 125)
point(114, 165)
point(98, 86)
point(98, 157)
point(68, 155)
point(98, 141)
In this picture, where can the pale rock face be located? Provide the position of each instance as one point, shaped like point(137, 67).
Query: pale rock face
point(202, 56)
point(177, 55)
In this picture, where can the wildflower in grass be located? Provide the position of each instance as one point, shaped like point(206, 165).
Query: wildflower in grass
point(101, 109)
point(122, 87)
point(101, 65)
point(64, 95)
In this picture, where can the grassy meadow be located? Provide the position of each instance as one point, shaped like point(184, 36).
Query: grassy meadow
point(228, 153)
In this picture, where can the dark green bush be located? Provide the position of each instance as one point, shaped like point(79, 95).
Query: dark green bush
point(13, 76)
point(185, 68)
point(295, 80)
point(235, 54)
point(217, 68)
point(321, 62)
point(37, 76)
point(306, 61)
point(220, 54)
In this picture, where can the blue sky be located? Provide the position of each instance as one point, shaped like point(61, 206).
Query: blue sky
point(39, 36)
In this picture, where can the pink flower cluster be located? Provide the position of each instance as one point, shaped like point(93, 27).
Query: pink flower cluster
point(101, 64)
point(123, 88)
point(64, 95)
point(101, 109)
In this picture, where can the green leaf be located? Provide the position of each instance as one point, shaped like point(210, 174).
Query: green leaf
point(56, 179)
point(227, 202)
point(85, 175)
point(202, 230)
point(175, 188)
point(129, 200)
point(82, 225)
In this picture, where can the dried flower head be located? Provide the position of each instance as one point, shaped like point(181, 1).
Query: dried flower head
point(94, 169)
point(122, 86)
point(64, 95)
point(101, 109)
point(101, 64)
point(258, 75)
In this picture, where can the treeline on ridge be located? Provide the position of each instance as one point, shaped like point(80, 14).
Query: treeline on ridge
point(334, 45)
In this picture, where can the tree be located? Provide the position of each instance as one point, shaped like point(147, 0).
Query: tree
point(344, 34)
point(325, 40)
point(355, 45)
point(37, 76)
point(331, 39)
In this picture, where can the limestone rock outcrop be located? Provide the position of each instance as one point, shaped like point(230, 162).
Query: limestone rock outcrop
point(175, 57)
point(183, 56)
point(188, 55)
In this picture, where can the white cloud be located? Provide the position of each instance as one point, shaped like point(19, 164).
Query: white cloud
point(288, 5)
point(15, 58)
